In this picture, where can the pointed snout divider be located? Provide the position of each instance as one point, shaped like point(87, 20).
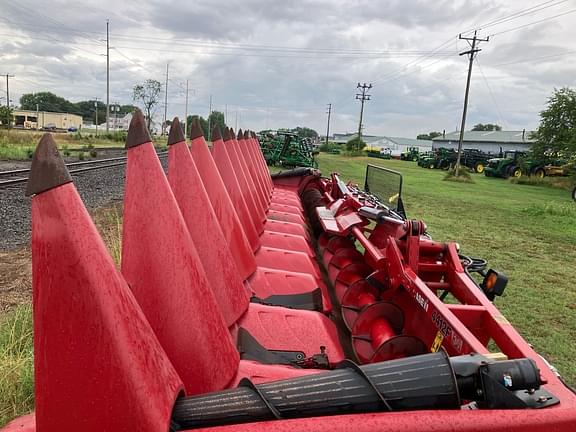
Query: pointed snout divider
point(227, 173)
point(227, 215)
point(204, 228)
point(163, 269)
point(98, 364)
point(247, 190)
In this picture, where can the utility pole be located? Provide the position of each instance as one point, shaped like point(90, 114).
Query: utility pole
point(328, 127)
point(362, 97)
point(186, 115)
point(37, 116)
point(96, 106)
point(8, 76)
point(209, 115)
point(165, 101)
point(471, 53)
point(107, 76)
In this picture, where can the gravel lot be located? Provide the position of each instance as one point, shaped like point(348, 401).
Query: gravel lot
point(97, 188)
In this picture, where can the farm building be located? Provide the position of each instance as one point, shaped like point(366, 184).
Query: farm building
point(487, 141)
point(45, 119)
point(397, 145)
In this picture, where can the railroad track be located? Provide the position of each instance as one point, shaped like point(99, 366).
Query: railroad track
point(17, 176)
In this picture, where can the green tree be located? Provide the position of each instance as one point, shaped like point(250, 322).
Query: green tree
point(5, 116)
point(203, 124)
point(148, 94)
point(355, 144)
point(216, 118)
point(47, 101)
point(305, 132)
point(429, 136)
point(556, 133)
point(487, 127)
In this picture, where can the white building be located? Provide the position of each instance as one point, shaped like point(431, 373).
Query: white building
point(396, 145)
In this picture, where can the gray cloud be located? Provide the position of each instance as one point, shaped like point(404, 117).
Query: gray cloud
point(58, 48)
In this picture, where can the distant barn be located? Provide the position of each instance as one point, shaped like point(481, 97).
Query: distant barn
point(487, 141)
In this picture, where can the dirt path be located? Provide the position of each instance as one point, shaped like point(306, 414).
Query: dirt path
point(16, 264)
point(15, 279)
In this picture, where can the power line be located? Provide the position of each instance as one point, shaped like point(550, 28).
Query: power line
point(534, 22)
point(501, 117)
point(518, 14)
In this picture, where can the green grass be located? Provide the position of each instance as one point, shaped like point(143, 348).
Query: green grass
point(528, 232)
point(19, 144)
point(16, 364)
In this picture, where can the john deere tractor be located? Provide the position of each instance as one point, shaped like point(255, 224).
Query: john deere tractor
point(411, 154)
point(507, 166)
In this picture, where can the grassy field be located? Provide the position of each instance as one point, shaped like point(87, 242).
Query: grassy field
point(527, 232)
point(20, 144)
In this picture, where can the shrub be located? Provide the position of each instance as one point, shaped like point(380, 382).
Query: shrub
point(463, 175)
point(81, 156)
point(329, 146)
point(93, 153)
point(355, 144)
point(65, 150)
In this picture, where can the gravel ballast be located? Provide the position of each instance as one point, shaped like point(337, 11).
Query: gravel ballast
point(97, 188)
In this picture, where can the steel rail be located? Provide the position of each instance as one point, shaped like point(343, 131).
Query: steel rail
point(73, 171)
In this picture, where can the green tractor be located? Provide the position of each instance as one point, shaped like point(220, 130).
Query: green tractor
point(427, 160)
point(510, 165)
point(475, 160)
point(440, 158)
point(411, 154)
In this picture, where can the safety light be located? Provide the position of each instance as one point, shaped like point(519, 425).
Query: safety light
point(493, 284)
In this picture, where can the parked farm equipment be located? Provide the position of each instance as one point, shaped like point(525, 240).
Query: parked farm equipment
point(381, 153)
point(442, 158)
point(411, 154)
point(509, 165)
point(288, 149)
point(220, 314)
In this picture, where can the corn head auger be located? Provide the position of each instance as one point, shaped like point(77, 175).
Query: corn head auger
point(221, 318)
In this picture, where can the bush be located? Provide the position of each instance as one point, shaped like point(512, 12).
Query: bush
point(327, 147)
point(355, 144)
point(93, 153)
point(30, 153)
point(81, 156)
point(65, 150)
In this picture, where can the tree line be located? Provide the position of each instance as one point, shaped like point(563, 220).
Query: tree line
point(47, 101)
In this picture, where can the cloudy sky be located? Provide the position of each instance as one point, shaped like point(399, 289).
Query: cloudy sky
point(273, 64)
